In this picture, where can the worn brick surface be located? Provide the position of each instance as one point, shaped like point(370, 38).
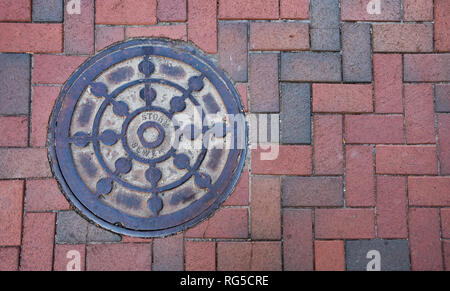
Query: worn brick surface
point(44, 195)
point(171, 10)
point(265, 212)
point(294, 9)
point(387, 79)
point(444, 142)
point(391, 207)
point(418, 10)
point(419, 113)
point(344, 223)
point(11, 209)
point(14, 83)
point(426, 67)
point(409, 160)
point(37, 242)
point(233, 52)
point(291, 160)
point(168, 253)
point(107, 35)
point(356, 52)
point(242, 89)
point(48, 10)
point(71, 228)
point(311, 67)
point(330, 255)
point(312, 191)
point(263, 82)
point(126, 12)
point(279, 36)
point(255, 256)
point(31, 37)
point(429, 191)
point(69, 258)
point(55, 69)
point(328, 148)
point(14, 131)
point(200, 255)
point(445, 222)
point(360, 183)
point(442, 25)
point(79, 29)
point(248, 9)
point(295, 113)
point(424, 238)
point(442, 97)
point(24, 162)
point(119, 257)
point(176, 31)
point(202, 25)
point(98, 234)
point(446, 254)
point(357, 10)
point(325, 39)
point(15, 10)
point(298, 240)
point(9, 259)
point(240, 195)
point(325, 33)
point(406, 37)
point(44, 98)
point(342, 98)
point(374, 129)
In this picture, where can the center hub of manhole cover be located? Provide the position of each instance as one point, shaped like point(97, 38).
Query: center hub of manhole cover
point(148, 138)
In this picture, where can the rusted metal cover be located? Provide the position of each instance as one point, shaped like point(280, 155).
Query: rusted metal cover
point(148, 137)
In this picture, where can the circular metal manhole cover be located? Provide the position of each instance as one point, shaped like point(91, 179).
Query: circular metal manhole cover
point(148, 138)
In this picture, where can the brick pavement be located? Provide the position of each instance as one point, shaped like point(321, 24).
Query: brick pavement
point(364, 162)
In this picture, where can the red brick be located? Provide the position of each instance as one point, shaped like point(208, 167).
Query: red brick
point(242, 89)
point(31, 37)
point(248, 9)
point(202, 25)
point(294, 9)
point(168, 253)
point(374, 129)
point(426, 67)
point(312, 191)
point(67, 259)
point(44, 195)
point(418, 10)
point(388, 79)
point(240, 195)
point(360, 176)
point(279, 36)
point(9, 259)
point(291, 160)
point(55, 69)
point(126, 12)
point(391, 207)
point(249, 256)
point(446, 247)
point(408, 160)
point(424, 239)
point(330, 255)
point(11, 208)
point(107, 35)
point(131, 239)
point(419, 113)
point(429, 191)
point(171, 10)
point(328, 149)
point(119, 257)
point(14, 131)
point(37, 244)
point(342, 98)
point(442, 25)
point(15, 10)
point(297, 240)
point(233, 50)
point(357, 10)
point(225, 223)
point(176, 31)
point(24, 163)
point(44, 98)
point(263, 82)
point(445, 222)
point(344, 223)
point(200, 255)
point(79, 29)
point(444, 142)
point(405, 37)
point(265, 208)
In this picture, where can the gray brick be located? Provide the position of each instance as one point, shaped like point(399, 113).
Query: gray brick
point(97, 234)
point(356, 52)
point(394, 254)
point(443, 98)
point(263, 83)
point(233, 50)
point(324, 13)
point(325, 39)
point(48, 10)
point(311, 67)
point(71, 228)
point(14, 83)
point(296, 113)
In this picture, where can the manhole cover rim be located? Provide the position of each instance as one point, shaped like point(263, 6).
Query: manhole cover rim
point(61, 180)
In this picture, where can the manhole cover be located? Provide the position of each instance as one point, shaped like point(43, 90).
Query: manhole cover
point(148, 138)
